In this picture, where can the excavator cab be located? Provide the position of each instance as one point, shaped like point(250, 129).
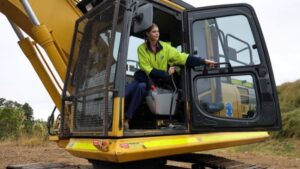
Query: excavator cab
point(238, 94)
point(231, 104)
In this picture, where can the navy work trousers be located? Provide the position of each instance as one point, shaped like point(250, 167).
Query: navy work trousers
point(134, 94)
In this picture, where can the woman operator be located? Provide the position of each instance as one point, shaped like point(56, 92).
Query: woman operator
point(154, 57)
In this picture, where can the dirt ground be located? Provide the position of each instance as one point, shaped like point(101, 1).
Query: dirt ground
point(51, 153)
point(272, 162)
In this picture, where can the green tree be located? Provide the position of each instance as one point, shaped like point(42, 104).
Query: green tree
point(2, 100)
point(28, 122)
point(11, 122)
point(9, 103)
point(28, 112)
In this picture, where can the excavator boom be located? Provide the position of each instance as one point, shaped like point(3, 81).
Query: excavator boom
point(59, 16)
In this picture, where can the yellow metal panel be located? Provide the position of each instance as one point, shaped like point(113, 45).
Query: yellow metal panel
point(62, 143)
point(169, 142)
point(231, 94)
point(83, 146)
point(53, 138)
point(30, 52)
point(14, 12)
point(44, 38)
point(59, 16)
point(131, 149)
point(86, 148)
point(201, 142)
point(116, 131)
point(173, 5)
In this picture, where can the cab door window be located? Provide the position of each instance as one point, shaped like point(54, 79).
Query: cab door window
point(226, 39)
point(227, 97)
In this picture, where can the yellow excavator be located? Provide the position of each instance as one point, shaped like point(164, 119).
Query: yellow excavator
point(92, 45)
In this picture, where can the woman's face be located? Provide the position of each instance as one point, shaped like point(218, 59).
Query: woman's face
point(153, 35)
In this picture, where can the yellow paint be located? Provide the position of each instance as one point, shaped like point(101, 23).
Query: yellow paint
point(116, 130)
point(85, 148)
point(62, 143)
point(44, 38)
point(170, 142)
point(58, 50)
point(58, 15)
point(53, 138)
point(29, 50)
point(48, 12)
point(131, 149)
point(82, 146)
point(173, 5)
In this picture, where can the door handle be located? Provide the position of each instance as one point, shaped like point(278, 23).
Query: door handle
point(218, 69)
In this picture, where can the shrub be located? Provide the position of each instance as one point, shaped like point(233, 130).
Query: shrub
point(290, 125)
point(289, 96)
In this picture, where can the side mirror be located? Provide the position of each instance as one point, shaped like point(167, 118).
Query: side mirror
point(143, 18)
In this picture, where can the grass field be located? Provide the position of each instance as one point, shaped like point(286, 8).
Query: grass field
point(284, 147)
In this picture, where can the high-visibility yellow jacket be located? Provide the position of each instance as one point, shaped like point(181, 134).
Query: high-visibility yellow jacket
point(165, 55)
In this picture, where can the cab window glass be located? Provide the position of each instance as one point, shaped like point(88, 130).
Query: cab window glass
point(225, 39)
point(229, 96)
point(132, 59)
point(89, 73)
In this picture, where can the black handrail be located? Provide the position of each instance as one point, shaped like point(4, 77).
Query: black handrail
point(217, 66)
point(244, 42)
point(50, 122)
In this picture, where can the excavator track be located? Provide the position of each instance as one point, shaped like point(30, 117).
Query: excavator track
point(202, 161)
point(197, 161)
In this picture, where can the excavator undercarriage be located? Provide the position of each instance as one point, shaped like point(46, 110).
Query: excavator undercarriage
point(184, 161)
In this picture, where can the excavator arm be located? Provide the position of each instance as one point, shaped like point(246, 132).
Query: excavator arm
point(49, 24)
point(58, 15)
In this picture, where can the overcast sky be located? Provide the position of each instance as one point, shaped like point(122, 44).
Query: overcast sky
point(279, 21)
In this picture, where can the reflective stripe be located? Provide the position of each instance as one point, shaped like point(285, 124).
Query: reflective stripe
point(170, 142)
point(82, 146)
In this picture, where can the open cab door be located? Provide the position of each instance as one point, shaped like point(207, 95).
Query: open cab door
point(239, 93)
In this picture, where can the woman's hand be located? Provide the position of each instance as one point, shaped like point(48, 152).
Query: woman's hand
point(171, 70)
point(210, 63)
